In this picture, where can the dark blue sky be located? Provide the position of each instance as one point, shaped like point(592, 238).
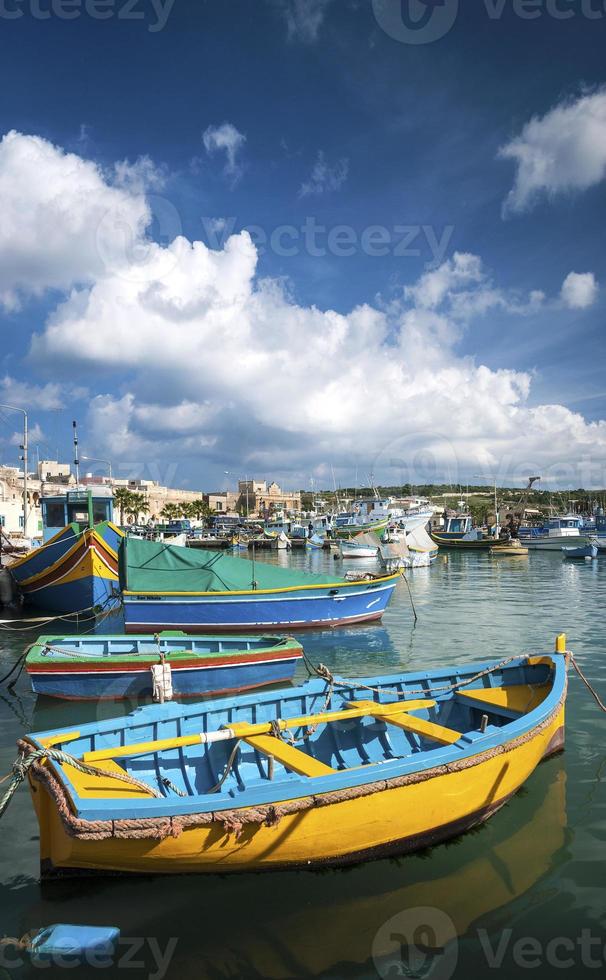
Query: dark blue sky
point(408, 134)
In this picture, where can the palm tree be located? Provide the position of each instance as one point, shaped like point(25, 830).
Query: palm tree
point(170, 512)
point(199, 510)
point(136, 504)
point(123, 498)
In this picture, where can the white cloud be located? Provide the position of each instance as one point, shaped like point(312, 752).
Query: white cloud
point(208, 362)
point(579, 290)
point(325, 178)
point(23, 395)
point(229, 140)
point(303, 18)
point(463, 286)
point(63, 221)
point(564, 150)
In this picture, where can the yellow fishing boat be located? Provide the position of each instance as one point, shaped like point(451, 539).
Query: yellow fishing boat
point(328, 773)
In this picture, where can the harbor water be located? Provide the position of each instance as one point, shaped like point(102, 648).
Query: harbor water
point(524, 893)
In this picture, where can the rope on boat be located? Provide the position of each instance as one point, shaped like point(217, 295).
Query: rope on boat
point(97, 611)
point(325, 674)
point(23, 763)
point(228, 768)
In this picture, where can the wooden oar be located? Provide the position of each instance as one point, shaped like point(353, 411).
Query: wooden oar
point(244, 730)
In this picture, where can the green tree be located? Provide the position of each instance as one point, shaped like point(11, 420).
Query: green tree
point(135, 505)
point(171, 512)
point(123, 498)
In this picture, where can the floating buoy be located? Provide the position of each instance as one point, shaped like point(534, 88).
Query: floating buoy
point(68, 945)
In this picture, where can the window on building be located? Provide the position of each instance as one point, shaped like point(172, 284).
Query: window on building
point(2, 520)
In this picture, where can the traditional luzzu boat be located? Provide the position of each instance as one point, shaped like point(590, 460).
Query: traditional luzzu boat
point(460, 534)
point(116, 667)
point(76, 568)
point(205, 591)
point(328, 773)
point(347, 525)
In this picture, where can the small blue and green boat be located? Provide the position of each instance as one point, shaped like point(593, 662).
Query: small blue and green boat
point(111, 668)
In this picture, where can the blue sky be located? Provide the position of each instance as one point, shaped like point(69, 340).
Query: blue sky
point(314, 124)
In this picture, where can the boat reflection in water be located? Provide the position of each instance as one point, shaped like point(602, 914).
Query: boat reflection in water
point(340, 923)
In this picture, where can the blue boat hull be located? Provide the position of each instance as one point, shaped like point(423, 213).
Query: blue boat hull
point(104, 685)
point(224, 612)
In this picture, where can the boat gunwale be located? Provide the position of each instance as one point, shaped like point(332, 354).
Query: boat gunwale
point(37, 658)
point(419, 764)
point(342, 583)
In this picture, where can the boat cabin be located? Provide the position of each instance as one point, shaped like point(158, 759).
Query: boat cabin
point(82, 507)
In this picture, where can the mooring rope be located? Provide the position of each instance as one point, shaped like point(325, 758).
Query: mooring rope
point(591, 690)
point(23, 763)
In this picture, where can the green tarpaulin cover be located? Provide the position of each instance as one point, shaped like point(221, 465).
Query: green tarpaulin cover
point(151, 566)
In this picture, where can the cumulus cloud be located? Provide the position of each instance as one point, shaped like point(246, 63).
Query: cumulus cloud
point(229, 140)
point(209, 362)
point(64, 221)
point(325, 178)
point(579, 290)
point(562, 151)
point(303, 18)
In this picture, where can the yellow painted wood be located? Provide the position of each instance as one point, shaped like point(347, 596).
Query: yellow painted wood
point(103, 787)
point(560, 645)
point(516, 697)
point(58, 739)
point(334, 831)
point(445, 736)
point(245, 730)
point(289, 756)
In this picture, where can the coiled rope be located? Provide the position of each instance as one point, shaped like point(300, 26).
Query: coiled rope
point(23, 763)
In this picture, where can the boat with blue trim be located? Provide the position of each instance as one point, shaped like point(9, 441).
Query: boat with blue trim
point(166, 587)
point(459, 533)
point(76, 567)
point(331, 772)
point(559, 532)
point(116, 667)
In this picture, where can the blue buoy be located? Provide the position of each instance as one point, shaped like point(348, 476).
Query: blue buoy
point(74, 945)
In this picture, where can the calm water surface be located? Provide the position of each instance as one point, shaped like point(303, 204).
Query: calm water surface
point(525, 893)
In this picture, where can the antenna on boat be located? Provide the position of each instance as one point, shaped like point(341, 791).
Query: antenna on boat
point(76, 459)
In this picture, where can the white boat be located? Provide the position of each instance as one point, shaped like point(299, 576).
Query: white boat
point(559, 532)
point(362, 546)
point(399, 550)
point(280, 542)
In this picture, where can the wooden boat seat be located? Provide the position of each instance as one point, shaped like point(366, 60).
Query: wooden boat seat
point(402, 719)
point(289, 756)
point(104, 787)
point(510, 702)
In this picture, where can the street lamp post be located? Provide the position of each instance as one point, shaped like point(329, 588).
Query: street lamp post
point(24, 447)
point(97, 459)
